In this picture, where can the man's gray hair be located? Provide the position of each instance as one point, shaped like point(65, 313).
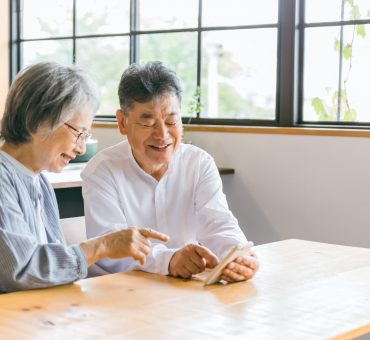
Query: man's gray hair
point(45, 94)
point(142, 83)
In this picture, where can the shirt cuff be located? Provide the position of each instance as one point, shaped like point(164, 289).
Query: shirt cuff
point(81, 262)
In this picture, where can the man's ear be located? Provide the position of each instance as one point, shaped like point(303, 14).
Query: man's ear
point(121, 122)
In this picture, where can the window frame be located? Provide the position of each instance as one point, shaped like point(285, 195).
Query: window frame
point(290, 61)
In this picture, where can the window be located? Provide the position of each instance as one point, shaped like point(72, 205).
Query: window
point(336, 71)
point(266, 62)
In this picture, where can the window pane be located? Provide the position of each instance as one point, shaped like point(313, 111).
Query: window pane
point(319, 10)
point(357, 9)
point(177, 14)
point(177, 51)
point(330, 10)
point(239, 12)
point(105, 59)
point(102, 16)
point(238, 74)
point(45, 18)
point(321, 74)
point(57, 50)
point(355, 100)
point(321, 77)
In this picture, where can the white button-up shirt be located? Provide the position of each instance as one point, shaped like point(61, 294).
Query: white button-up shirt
point(187, 204)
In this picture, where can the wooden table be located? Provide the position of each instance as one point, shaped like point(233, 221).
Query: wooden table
point(304, 290)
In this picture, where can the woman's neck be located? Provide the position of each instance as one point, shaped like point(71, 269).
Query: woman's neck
point(24, 154)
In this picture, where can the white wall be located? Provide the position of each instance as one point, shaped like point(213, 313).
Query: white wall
point(287, 186)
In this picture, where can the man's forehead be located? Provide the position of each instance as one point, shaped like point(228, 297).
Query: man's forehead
point(156, 114)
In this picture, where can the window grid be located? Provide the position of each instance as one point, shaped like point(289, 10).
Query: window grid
point(291, 28)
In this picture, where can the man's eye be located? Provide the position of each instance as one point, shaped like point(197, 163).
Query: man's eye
point(171, 123)
point(147, 124)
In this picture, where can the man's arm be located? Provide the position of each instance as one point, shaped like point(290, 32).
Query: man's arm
point(220, 229)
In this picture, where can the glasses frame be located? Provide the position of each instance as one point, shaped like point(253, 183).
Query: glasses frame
point(81, 136)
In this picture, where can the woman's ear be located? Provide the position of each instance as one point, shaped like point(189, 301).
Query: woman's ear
point(121, 121)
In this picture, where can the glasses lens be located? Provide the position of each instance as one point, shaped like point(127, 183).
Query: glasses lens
point(83, 138)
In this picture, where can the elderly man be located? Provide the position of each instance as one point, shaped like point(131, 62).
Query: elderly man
point(153, 180)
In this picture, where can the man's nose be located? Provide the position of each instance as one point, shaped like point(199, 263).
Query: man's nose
point(161, 130)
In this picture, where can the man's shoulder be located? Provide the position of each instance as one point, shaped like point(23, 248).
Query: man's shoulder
point(108, 158)
point(190, 152)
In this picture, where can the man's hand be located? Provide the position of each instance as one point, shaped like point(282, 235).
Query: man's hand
point(192, 259)
point(241, 269)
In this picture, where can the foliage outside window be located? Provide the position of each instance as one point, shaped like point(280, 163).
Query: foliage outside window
point(337, 68)
point(247, 62)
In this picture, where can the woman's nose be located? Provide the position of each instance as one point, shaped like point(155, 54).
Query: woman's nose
point(80, 148)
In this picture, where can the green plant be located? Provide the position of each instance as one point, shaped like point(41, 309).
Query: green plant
point(331, 111)
point(194, 107)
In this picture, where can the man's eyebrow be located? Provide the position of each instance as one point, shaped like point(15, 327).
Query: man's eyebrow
point(173, 114)
point(146, 115)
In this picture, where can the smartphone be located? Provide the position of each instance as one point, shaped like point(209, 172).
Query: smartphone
point(234, 252)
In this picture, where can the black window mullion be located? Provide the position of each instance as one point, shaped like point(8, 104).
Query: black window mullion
point(285, 99)
point(134, 24)
point(340, 63)
point(300, 60)
point(74, 32)
point(199, 51)
point(14, 38)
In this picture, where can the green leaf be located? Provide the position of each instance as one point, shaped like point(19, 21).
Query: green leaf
point(319, 108)
point(336, 45)
point(355, 13)
point(361, 31)
point(350, 2)
point(347, 51)
point(350, 115)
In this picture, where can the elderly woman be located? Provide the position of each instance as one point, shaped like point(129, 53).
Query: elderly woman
point(47, 119)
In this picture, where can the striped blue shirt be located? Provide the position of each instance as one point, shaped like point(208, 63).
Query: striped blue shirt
point(26, 261)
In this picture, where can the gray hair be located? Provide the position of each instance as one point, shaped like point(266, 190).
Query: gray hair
point(142, 83)
point(45, 94)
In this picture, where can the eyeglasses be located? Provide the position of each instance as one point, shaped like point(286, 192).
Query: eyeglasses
point(81, 136)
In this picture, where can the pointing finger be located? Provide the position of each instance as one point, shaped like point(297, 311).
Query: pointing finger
point(148, 232)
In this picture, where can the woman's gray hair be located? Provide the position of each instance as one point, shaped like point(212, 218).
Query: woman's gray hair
point(45, 94)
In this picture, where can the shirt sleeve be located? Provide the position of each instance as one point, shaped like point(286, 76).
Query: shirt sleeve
point(103, 214)
point(219, 229)
point(24, 262)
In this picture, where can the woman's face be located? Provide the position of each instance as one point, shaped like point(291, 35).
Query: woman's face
point(56, 150)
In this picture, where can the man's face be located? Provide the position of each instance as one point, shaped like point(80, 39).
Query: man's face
point(154, 132)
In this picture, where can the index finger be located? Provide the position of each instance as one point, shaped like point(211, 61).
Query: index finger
point(147, 232)
point(208, 255)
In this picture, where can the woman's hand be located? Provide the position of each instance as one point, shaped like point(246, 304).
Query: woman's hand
point(131, 242)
